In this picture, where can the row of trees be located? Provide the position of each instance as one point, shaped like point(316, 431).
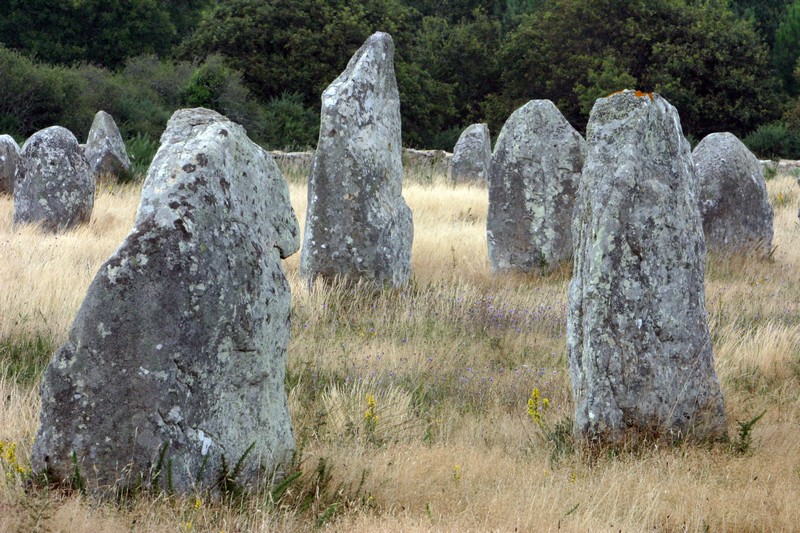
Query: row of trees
point(726, 65)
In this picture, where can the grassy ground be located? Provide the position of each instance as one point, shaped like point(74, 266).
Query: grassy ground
point(449, 364)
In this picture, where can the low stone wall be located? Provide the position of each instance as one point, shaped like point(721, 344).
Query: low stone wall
point(433, 161)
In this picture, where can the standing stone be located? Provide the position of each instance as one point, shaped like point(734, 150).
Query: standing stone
point(639, 349)
point(54, 185)
point(736, 212)
point(472, 156)
point(358, 226)
point(105, 149)
point(9, 162)
point(535, 170)
point(176, 359)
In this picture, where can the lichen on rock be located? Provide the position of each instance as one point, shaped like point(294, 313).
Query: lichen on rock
point(53, 185)
point(358, 226)
point(533, 179)
point(177, 356)
point(9, 163)
point(472, 156)
point(639, 349)
point(105, 150)
point(737, 216)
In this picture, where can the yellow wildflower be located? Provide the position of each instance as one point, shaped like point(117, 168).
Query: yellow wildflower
point(537, 406)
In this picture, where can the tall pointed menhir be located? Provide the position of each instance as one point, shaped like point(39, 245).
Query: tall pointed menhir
point(358, 226)
point(639, 349)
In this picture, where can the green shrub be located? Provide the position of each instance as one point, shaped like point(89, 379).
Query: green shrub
point(33, 96)
point(162, 80)
point(774, 141)
point(207, 83)
point(445, 140)
point(289, 124)
point(141, 150)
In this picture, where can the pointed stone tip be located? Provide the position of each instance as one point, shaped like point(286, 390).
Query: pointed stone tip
point(380, 36)
point(381, 40)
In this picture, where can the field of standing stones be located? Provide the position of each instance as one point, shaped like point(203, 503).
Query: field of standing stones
point(607, 339)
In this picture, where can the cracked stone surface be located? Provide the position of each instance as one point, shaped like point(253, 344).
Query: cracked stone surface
point(533, 179)
point(54, 186)
point(737, 216)
point(9, 162)
point(180, 344)
point(358, 226)
point(105, 150)
point(639, 349)
point(472, 156)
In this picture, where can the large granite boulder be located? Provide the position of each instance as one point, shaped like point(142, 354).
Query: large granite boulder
point(472, 156)
point(105, 149)
point(9, 162)
point(54, 186)
point(534, 175)
point(737, 216)
point(358, 226)
point(174, 368)
point(639, 349)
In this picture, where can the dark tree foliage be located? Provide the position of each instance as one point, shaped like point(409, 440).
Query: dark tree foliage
point(725, 64)
point(101, 32)
point(787, 49)
point(301, 46)
point(711, 65)
point(455, 11)
point(297, 45)
point(463, 56)
point(766, 15)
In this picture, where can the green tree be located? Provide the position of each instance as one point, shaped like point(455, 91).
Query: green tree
point(787, 48)
point(610, 77)
point(710, 64)
point(301, 46)
point(462, 56)
point(766, 15)
point(101, 32)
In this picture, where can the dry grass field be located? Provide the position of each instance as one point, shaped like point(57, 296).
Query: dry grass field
point(410, 407)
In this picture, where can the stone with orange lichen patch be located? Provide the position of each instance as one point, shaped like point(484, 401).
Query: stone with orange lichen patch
point(640, 94)
point(640, 354)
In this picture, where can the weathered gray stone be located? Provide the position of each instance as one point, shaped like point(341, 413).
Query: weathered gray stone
point(54, 186)
point(105, 149)
point(737, 216)
point(639, 349)
point(9, 162)
point(177, 355)
point(358, 226)
point(472, 156)
point(534, 175)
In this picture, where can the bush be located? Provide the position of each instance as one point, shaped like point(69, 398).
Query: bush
point(774, 141)
point(162, 80)
point(32, 95)
point(207, 83)
point(141, 151)
point(445, 140)
point(288, 124)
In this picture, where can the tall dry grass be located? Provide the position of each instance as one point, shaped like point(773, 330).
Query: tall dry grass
point(450, 361)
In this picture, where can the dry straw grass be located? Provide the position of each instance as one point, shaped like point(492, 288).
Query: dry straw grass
point(450, 363)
